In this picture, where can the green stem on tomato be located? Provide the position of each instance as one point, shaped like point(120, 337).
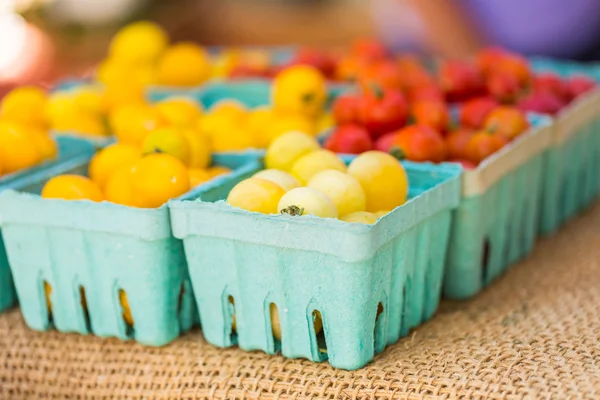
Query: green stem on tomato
point(293, 211)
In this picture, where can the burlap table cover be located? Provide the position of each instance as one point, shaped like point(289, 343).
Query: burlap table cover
point(533, 334)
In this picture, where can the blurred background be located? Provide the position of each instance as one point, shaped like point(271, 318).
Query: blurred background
point(41, 40)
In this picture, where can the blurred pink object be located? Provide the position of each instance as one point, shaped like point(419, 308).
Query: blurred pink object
point(29, 54)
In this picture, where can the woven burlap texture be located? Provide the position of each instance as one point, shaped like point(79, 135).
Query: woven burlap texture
point(534, 334)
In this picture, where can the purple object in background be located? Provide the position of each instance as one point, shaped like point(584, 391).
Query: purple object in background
point(559, 28)
point(556, 28)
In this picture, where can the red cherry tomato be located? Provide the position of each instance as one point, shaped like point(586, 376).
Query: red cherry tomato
point(385, 142)
point(349, 139)
point(466, 164)
point(383, 111)
point(503, 86)
point(474, 112)
point(460, 80)
point(551, 83)
point(347, 109)
point(368, 48)
point(579, 84)
point(321, 60)
point(384, 74)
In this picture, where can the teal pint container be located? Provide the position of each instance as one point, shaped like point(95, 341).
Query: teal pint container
point(369, 283)
point(496, 222)
point(69, 151)
point(92, 251)
point(572, 178)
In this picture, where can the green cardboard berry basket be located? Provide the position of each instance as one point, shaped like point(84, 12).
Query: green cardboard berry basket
point(69, 150)
point(496, 222)
point(369, 283)
point(83, 248)
point(572, 178)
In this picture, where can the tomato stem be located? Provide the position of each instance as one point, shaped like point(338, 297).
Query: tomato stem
point(377, 91)
point(293, 211)
point(308, 98)
point(397, 153)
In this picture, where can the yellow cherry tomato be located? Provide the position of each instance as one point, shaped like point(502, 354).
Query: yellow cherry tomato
point(141, 41)
point(383, 179)
point(46, 146)
point(257, 195)
point(168, 140)
point(17, 148)
point(307, 201)
point(314, 162)
point(131, 123)
point(381, 214)
point(83, 123)
point(109, 160)
point(25, 105)
point(258, 122)
point(360, 217)
point(345, 191)
point(90, 98)
point(127, 316)
point(280, 124)
point(184, 64)
point(229, 108)
point(157, 178)
point(218, 170)
point(286, 149)
point(118, 188)
point(199, 176)
point(200, 148)
point(72, 187)
point(179, 111)
point(300, 90)
point(282, 178)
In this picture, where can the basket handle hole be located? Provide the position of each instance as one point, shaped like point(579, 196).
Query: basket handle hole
point(319, 332)
point(275, 323)
point(231, 313)
point(485, 260)
point(126, 312)
point(48, 297)
point(84, 308)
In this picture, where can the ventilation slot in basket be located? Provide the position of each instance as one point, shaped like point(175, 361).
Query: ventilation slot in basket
point(319, 332)
point(84, 308)
point(378, 333)
point(485, 261)
point(404, 309)
point(275, 324)
point(126, 313)
point(47, 295)
point(230, 316)
point(180, 300)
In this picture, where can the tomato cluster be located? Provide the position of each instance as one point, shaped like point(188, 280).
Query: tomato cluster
point(403, 107)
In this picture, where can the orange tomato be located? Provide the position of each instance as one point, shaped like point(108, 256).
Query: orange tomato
point(482, 145)
point(456, 142)
point(431, 113)
point(507, 121)
point(419, 143)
